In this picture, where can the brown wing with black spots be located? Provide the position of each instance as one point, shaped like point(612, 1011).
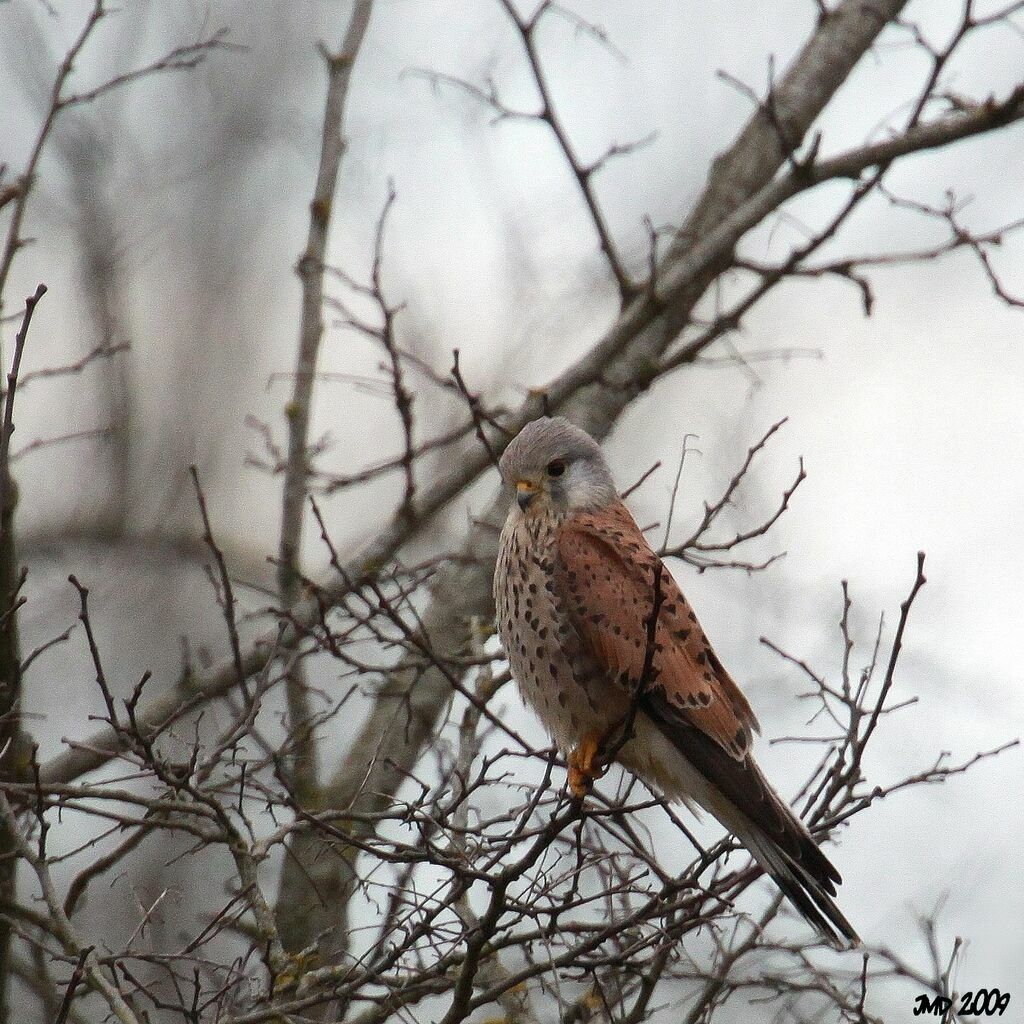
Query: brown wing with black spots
point(606, 575)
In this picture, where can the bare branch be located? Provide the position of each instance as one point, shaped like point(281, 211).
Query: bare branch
point(100, 352)
point(7, 428)
point(303, 765)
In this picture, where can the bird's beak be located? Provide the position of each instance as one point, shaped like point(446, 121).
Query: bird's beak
point(526, 491)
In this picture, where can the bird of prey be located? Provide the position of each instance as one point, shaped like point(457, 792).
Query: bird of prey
point(609, 653)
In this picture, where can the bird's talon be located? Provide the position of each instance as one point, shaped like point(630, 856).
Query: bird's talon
point(579, 783)
point(582, 770)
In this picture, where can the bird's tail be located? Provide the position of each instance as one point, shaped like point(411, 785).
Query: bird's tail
point(810, 895)
point(795, 862)
point(741, 798)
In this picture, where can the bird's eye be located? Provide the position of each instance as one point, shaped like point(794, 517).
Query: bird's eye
point(556, 467)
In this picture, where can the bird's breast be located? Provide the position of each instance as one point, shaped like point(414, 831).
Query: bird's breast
point(555, 674)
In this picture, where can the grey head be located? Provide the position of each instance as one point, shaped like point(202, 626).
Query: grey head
point(554, 465)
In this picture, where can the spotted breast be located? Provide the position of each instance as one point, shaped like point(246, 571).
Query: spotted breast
point(556, 676)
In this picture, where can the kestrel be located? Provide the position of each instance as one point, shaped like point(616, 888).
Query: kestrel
point(576, 588)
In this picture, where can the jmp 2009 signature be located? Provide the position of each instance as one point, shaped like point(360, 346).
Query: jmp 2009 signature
point(983, 1002)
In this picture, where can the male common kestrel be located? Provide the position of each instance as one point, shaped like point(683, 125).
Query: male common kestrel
point(576, 586)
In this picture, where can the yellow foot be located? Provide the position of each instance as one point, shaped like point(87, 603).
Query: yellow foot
point(582, 771)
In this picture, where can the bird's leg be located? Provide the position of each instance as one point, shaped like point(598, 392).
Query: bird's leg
point(582, 770)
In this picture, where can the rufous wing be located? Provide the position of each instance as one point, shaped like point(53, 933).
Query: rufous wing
point(606, 574)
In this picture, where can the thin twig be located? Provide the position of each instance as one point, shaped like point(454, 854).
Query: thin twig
point(12, 389)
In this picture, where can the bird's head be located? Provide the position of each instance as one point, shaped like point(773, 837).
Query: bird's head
point(554, 466)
